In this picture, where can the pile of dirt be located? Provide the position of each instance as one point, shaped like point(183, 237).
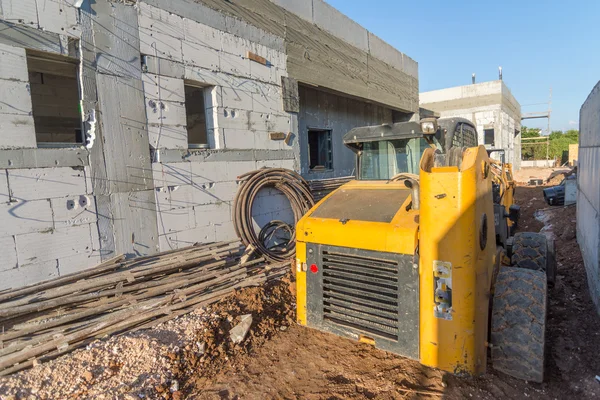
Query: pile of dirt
point(299, 362)
point(556, 177)
point(272, 308)
point(131, 366)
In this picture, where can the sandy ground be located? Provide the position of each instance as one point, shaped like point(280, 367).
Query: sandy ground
point(194, 357)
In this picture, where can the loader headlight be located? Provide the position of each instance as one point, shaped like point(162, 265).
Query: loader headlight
point(429, 126)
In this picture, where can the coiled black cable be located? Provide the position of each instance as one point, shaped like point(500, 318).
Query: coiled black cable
point(297, 191)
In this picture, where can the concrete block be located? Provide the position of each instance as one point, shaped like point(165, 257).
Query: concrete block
point(176, 220)
point(264, 73)
point(77, 263)
point(289, 164)
point(172, 174)
point(20, 12)
point(4, 192)
point(212, 214)
point(201, 56)
point(242, 29)
point(163, 88)
point(15, 97)
point(236, 45)
point(73, 211)
point(28, 275)
point(14, 63)
point(235, 98)
point(202, 194)
point(268, 99)
point(167, 136)
point(164, 67)
point(225, 231)
point(336, 23)
point(51, 245)
point(220, 171)
point(239, 138)
point(206, 76)
point(301, 8)
point(159, 20)
point(385, 52)
point(234, 64)
point(168, 242)
point(58, 16)
point(165, 112)
point(46, 183)
point(9, 253)
point(18, 131)
point(270, 122)
point(202, 234)
point(204, 35)
point(19, 217)
point(262, 140)
point(157, 44)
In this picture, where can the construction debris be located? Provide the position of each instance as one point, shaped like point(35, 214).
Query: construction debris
point(46, 320)
point(238, 333)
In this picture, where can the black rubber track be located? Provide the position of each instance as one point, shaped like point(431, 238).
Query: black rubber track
point(530, 251)
point(291, 184)
point(519, 323)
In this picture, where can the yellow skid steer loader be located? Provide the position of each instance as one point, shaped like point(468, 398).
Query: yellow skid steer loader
point(416, 255)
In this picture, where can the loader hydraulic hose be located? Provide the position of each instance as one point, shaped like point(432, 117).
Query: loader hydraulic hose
point(292, 185)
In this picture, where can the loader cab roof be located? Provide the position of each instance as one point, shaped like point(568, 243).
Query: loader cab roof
point(452, 132)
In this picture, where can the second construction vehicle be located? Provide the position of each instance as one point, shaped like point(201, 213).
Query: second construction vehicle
point(416, 256)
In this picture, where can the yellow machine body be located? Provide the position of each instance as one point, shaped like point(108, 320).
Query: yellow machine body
point(447, 245)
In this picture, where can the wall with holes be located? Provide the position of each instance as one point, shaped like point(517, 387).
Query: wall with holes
point(588, 196)
point(125, 127)
point(47, 209)
point(242, 108)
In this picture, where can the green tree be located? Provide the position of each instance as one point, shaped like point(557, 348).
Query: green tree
point(531, 150)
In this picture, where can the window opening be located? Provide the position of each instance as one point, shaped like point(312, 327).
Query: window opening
point(320, 151)
point(55, 100)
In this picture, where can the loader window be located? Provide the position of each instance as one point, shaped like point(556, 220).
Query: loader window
point(383, 159)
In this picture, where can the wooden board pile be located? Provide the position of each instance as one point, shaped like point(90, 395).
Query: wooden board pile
point(322, 187)
point(45, 320)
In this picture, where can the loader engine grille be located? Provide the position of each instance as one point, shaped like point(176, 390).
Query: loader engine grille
point(361, 292)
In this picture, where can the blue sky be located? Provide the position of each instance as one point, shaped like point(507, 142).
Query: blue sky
point(539, 44)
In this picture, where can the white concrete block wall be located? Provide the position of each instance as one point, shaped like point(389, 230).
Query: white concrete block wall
point(243, 103)
point(47, 224)
point(588, 197)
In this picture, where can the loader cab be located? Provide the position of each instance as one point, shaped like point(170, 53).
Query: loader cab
point(384, 151)
point(387, 150)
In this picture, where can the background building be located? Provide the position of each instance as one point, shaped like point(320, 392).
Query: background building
point(490, 106)
point(124, 125)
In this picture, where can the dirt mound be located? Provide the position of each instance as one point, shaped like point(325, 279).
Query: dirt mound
point(273, 310)
point(556, 177)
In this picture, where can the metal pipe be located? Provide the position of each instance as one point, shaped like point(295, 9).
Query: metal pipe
point(413, 185)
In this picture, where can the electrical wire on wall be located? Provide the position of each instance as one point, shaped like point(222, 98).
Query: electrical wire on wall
point(297, 191)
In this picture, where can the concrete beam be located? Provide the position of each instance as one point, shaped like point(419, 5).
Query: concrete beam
point(170, 156)
point(43, 158)
point(32, 38)
point(213, 18)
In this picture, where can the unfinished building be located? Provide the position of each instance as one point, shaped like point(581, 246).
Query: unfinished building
point(490, 106)
point(124, 125)
point(588, 195)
